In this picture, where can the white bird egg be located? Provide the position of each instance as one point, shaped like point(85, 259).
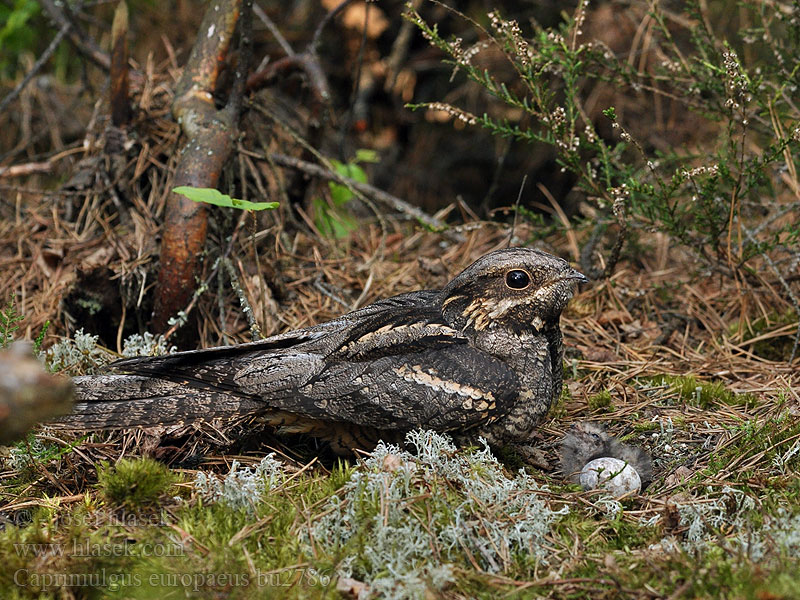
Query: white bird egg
point(611, 474)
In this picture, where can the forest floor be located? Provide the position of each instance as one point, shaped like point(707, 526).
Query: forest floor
point(654, 353)
point(670, 353)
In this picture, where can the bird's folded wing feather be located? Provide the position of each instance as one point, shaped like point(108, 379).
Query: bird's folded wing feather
point(398, 369)
point(444, 388)
point(393, 364)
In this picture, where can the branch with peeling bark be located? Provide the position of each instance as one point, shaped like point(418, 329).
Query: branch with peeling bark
point(209, 136)
point(210, 133)
point(120, 107)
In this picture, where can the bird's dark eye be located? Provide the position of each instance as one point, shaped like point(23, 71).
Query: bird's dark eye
point(518, 279)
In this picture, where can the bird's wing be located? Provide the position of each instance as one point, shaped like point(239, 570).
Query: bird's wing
point(396, 369)
point(391, 365)
point(444, 387)
point(285, 360)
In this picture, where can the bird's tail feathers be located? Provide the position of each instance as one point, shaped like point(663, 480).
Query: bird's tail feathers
point(112, 401)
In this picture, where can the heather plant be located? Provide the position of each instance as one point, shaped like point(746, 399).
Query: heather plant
point(9, 322)
point(731, 197)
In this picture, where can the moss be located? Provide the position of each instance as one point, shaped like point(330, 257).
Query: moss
point(205, 550)
point(601, 402)
point(135, 484)
point(645, 426)
point(511, 458)
point(213, 550)
point(774, 442)
point(72, 551)
point(244, 555)
point(666, 292)
point(704, 394)
point(559, 408)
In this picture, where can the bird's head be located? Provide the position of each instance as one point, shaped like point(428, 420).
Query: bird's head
point(586, 441)
point(521, 289)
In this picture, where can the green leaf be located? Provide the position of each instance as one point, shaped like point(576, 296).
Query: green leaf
point(336, 221)
point(341, 194)
point(363, 155)
point(17, 18)
point(333, 222)
point(217, 198)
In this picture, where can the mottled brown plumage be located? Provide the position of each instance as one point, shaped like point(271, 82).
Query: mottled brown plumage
point(482, 356)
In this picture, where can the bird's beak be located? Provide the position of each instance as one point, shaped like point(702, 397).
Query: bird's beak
point(576, 275)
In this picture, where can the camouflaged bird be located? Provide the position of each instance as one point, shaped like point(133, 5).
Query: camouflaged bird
point(482, 356)
point(586, 441)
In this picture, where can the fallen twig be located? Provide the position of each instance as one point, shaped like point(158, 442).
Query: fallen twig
point(59, 12)
point(385, 198)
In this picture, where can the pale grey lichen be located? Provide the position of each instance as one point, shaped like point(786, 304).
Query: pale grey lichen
point(242, 487)
point(22, 456)
point(734, 520)
point(610, 506)
point(82, 355)
point(417, 514)
point(78, 356)
point(782, 530)
point(146, 344)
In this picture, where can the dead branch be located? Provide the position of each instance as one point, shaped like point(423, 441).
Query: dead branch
point(12, 95)
point(393, 202)
point(120, 106)
point(209, 138)
point(60, 13)
point(273, 29)
point(26, 169)
point(306, 61)
point(28, 393)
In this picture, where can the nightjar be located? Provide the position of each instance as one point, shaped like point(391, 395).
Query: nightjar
point(586, 441)
point(482, 356)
